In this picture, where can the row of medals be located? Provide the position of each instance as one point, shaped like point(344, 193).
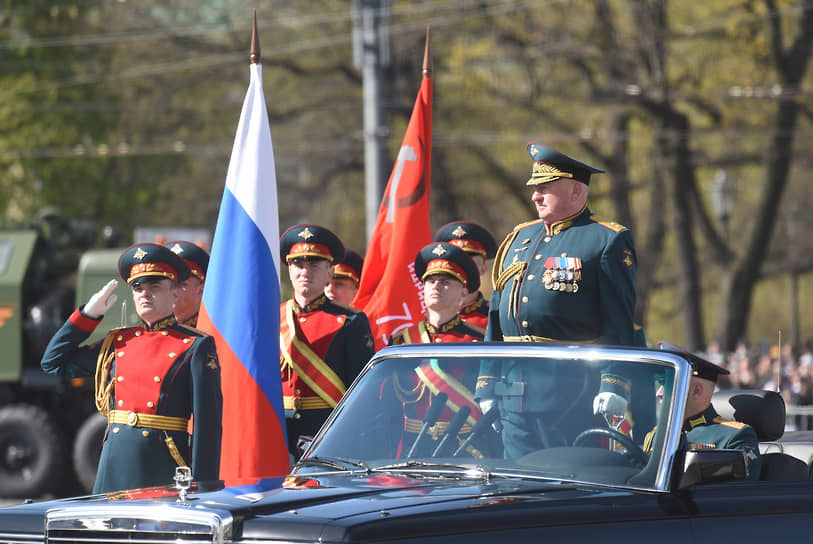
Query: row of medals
point(556, 279)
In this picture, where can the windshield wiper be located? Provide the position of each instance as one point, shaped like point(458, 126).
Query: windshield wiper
point(414, 465)
point(332, 462)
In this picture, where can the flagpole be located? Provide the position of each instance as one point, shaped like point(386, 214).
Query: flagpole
point(254, 52)
point(427, 57)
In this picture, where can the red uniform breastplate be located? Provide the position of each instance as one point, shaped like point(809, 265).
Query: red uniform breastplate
point(143, 359)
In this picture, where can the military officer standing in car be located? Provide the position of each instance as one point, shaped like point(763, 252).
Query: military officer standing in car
point(190, 290)
point(478, 244)
point(149, 378)
point(323, 344)
point(565, 277)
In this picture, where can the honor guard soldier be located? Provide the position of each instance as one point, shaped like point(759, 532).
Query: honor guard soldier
point(346, 277)
point(478, 243)
point(447, 274)
point(703, 427)
point(190, 290)
point(565, 277)
point(323, 344)
point(149, 379)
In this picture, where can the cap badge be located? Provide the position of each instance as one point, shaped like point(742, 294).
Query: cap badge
point(534, 150)
point(306, 234)
point(547, 170)
point(439, 250)
point(176, 249)
point(460, 232)
point(139, 254)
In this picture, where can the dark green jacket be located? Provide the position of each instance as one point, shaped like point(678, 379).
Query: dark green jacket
point(166, 370)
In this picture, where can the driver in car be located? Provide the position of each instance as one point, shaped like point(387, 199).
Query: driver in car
point(704, 428)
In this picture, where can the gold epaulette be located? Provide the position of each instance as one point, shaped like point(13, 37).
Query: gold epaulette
point(729, 423)
point(192, 329)
point(612, 225)
point(347, 307)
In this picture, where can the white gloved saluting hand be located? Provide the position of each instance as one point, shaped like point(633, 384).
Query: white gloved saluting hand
point(101, 301)
point(610, 404)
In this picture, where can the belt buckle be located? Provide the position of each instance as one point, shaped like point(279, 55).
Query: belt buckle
point(132, 419)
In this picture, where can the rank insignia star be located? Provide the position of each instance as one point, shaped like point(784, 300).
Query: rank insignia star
point(139, 254)
point(439, 250)
point(306, 234)
point(460, 232)
point(176, 249)
point(212, 362)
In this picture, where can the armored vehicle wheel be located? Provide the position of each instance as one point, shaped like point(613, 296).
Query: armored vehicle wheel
point(30, 452)
point(87, 448)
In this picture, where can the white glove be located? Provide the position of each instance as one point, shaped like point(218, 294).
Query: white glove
point(102, 300)
point(486, 405)
point(610, 404)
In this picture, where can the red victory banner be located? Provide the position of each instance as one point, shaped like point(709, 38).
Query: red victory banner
point(390, 293)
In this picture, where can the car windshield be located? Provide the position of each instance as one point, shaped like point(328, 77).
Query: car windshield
point(425, 414)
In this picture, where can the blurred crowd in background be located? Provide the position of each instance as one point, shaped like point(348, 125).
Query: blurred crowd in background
point(762, 365)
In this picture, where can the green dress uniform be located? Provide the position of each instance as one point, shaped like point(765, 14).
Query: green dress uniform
point(708, 430)
point(570, 281)
point(323, 346)
point(149, 381)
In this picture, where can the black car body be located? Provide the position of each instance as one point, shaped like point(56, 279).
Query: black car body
point(358, 483)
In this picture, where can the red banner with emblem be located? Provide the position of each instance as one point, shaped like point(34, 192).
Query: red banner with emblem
point(390, 293)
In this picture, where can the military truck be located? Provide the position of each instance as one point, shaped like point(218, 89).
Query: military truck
point(50, 431)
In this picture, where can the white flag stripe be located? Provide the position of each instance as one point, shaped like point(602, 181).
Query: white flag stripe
point(252, 144)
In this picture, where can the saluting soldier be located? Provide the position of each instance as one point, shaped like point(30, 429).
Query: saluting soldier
point(346, 277)
point(149, 378)
point(190, 290)
point(565, 277)
point(447, 274)
point(323, 344)
point(478, 244)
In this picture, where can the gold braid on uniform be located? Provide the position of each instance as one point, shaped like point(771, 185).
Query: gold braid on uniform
point(499, 259)
point(104, 385)
point(407, 396)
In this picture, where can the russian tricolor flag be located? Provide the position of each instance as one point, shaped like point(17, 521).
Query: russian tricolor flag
point(241, 299)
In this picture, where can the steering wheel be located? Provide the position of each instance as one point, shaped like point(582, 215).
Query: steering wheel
point(631, 449)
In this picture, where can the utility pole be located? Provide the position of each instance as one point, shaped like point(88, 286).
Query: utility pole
point(371, 52)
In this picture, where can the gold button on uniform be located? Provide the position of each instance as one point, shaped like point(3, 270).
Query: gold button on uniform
point(119, 338)
point(145, 433)
point(546, 239)
point(150, 404)
point(297, 415)
point(121, 403)
point(138, 333)
point(172, 354)
point(301, 319)
point(165, 333)
point(157, 379)
point(115, 430)
point(531, 276)
point(187, 340)
point(524, 299)
point(537, 256)
point(120, 378)
point(524, 323)
point(120, 354)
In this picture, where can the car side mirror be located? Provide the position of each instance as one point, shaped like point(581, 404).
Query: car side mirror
point(712, 466)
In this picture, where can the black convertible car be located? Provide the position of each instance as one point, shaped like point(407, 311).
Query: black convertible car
point(408, 457)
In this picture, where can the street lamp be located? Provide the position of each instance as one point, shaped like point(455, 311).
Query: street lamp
point(723, 194)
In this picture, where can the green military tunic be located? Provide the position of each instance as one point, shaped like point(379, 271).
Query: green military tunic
point(166, 370)
point(570, 281)
point(708, 430)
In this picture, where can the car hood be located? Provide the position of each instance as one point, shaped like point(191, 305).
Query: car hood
point(369, 507)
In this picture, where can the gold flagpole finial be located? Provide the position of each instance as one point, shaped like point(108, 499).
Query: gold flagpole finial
point(254, 53)
point(427, 57)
